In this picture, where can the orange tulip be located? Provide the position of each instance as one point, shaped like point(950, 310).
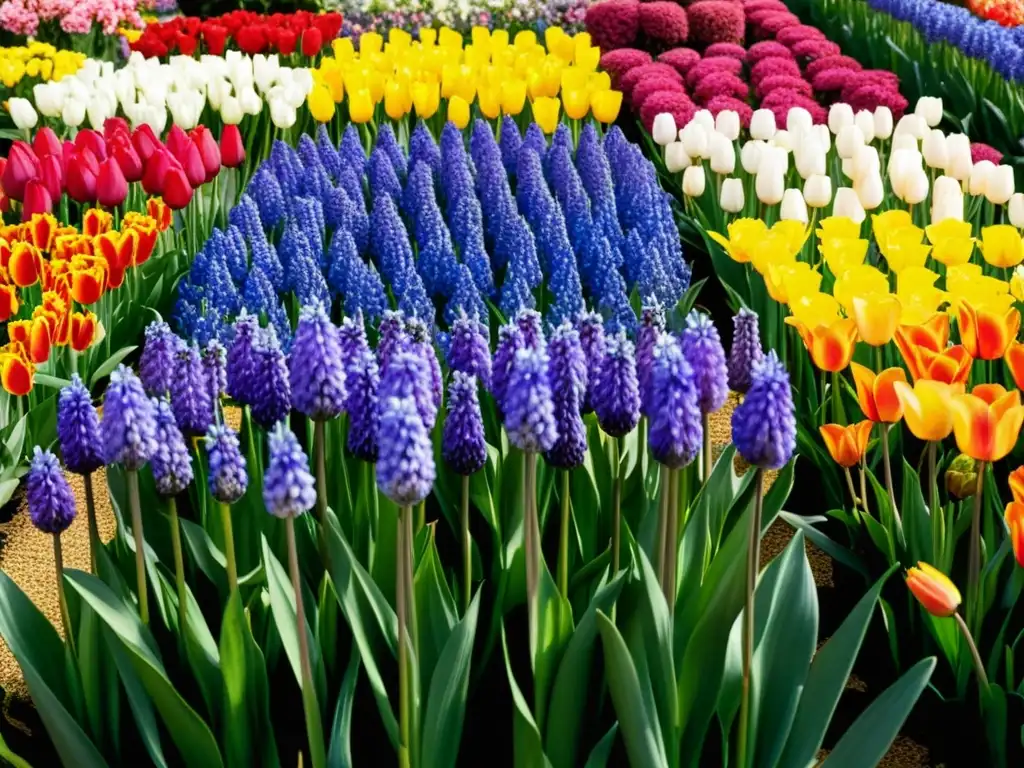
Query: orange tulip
point(157, 208)
point(987, 431)
point(1017, 484)
point(984, 333)
point(1014, 516)
point(926, 408)
point(8, 302)
point(1014, 358)
point(16, 371)
point(83, 330)
point(87, 284)
point(933, 333)
point(148, 233)
point(951, 365)
point(56, 312)
point(96, 221)
point(5, 253)
point(118, 250)
point(877, 394)
point(26, 265)
point(846, 445)
point(42, 230)
point(933, 589)
point(831, 346)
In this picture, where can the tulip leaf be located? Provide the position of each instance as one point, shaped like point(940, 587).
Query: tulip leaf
point(51, 382)
point(435, 607)
point(340, 751)
point(603, 749)
point(552, 632)
point(829, 546)
point(527, 749)
point(139, 700)
point(107, 366)
point(869, 738)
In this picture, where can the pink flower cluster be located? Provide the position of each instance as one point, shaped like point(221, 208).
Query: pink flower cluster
point(663, 24)
point(22, 17)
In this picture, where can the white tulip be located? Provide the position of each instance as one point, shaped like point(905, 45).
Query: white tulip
point(915, 189)
point(847, 204)
point(73, 113)
point(705, 119)
point(930, 109)
point(848, 168)
point(840, 115)
point(903, 141)
point(695, 139)
point(217, 90)
point(731, 200)
point(866, 122)
point(302, 85)
point(99, 110)
point(762, 124)
point(823, 135)
point(979, 178)
point(901, 163)
point(960, 163)
point(750, 156)
point(693, 181)
point(773, 160)
point(250, 101)
point(809, 157)
point(865, 161)
point(770, 187)
point(231, 111)
point(1000, 186)
point(723, 154)
point(1017, 209)
point(49, 98)
point(883, 122)
point(870, 191)
point(264, 70)
point(185, 108)
point(728, 124)
point(798, 121)
point(947, 200)
point(934, 150)
point(22, 113)
point(783, 140)
point(794, 208)
point(282, 114)
point(913, 125)
point(850, 137)
point(664, 129)
point(676, 158)
point(818, 191)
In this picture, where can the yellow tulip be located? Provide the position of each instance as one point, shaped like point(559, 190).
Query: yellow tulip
point(771, 249)
point(426, 99)
point(841, 253)
point(951, 240)
point(876, 316)
point(793, 235)
point(489, 101)
point(815, 309)
point(573, 79)
point(376, 83)
point(599, 81)
point(587, 57)
point(458, 112)
point(428, 36)
point(927, 407)
point(861, 280)
point(744, 236)
point(831, 344)
point(545, 113)
point(606, 105)
point(883, 225)
point(449, 38)
point(369, 43)
point(397, 102)
point(838, 226)
point(552, 36)
point(1017, 284)
point(903, 254)
point(332, 78)
point(360, 106)
point(525, 38)
point(321, 103)
point(1001, 245)
point(399, 38)
point(481, 36)
point(499, 39)
point(576, 103)
point(791, 281)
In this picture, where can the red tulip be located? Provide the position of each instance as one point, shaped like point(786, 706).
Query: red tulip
point(155, 170)
point(232, 149)
point(145, 141)
point(116, 126)
point(22, 166)
point(89, 139)
point(51, 174)
point(329, 24)
point(202, 137)
point(111, 186)
point(186, 44)
point(5, 201)
point(82, 175)
point(37, 200)
point(67, 150)
point(121, 149)
point(215, 36)
point(177, 189)
point(312, 41)
point(177, 142)
point(286, 40)
point(46, 142)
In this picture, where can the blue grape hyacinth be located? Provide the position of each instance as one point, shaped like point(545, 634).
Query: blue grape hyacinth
point(315, 366)
point(405, 468)
point(227, 480)
point(78, 429)
point(289, 488)
point(462, 444)
point(51, 505)
point(172, 462)
point(764, 425)
point(746, 351)
point(675, 431)
point(616, 393)
point(528, 406)
point(702, 348)
point(129, 422)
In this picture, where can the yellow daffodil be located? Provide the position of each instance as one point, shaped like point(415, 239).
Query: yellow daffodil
point(861, 280)
point(841, 253)
point(951, 241)
point(545, 113)
point(744, 236)
point(606, 105)
point(838, 226)
point(1001, 245)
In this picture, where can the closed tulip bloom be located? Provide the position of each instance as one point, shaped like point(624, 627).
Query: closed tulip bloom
point(695, 140)
point(930, 109)
point(605, 105)
point(985, 333)
point(1016, 209)
point(1014, 358)
point(793, 207)
point(947, 200)
point(818, 191)
point(870, 191)
point(849, 138)
point(111, 186)
point(762, 124)
point(664, 129)
point(727, 123)
point(840, 115)
point(676, 158)
point(866, 122)
point(1014, 517)
point(960, 164)
point(360, 105)
point(545, 113)
point(769, 186)
point(1001, 245)
point(1000, 186)
point(458, 112)
point(883, 122)
point(723, 154)
point(987, 431)
point(847, 205)
point(980, 174)
point(927, 408)
point(37, 200)
point(232, 148)
point(933, 589)
point(693, 181)
point(847, 445)
point(876, 394)
point(731, 200)
point(935, 150)
point(876, 316)
point(831, 346)
point(750, 156)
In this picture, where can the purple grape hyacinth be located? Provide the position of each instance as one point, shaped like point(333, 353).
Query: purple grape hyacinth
point(241, 358)
point(567, 373)
point(156, 364)
point(408, 375)
point(529, 408)
point(591, 329)
point(469, 351)
point(51, 505)
point(315, 366)
point(215, 369)
point(510, 341)
point(270, 388)
point(702, 348)
point(675, 431)
point(289, 488)
point(362, 380)
point(746, 351)
point(190, 396)
point(763, 425)
point(405, 468)
point(462, 445)
point(228, 479)
point(129, 422)
point(652, 325)
point(78, 428)
point(172, 461)
point(616, 391)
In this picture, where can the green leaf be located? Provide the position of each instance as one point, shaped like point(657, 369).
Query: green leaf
point(916, 519)
point(340, 754)
point(7, 489)
point(827, 679)
point(554, 628)
point(827, 545)
point(869, 738)
point(107, 366)
point(435, 608)
point(139, 701)
point(51, 382)
point(15, 443)
point(603, 749)
point(527, 750)
point(446, 701)
point(39, 652)
point(641, 734)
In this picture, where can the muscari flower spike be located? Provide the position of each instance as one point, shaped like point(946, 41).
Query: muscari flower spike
point(215, 370)
point(407, 375)
point(405, 468)
point(172, 461)
point(129, 423)
point(652, 325)
point(567, 372)
point(675, 432)
point(591, 330)
point(51, 505)
point(156, 364)
point(763, 425)
point(462, 445)
point(616, 393)
point(289, 488)
point(241, 358)
point(528, 406)
point(702, 348)
point(270, 386)
point(315, 366)
point(78, 429)
point(190, 396)
point(227, 480)
point(469, 350)
point(362, 382)
point(510, 341)
point(746, 351)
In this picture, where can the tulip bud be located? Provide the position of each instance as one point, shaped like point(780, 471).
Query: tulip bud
point(769, 186)
point(979, 177)
point(82, 173)
point(912, 125)
point(131, 164)
point(704, 119)
point(23, 114)
point(73, 113)
point(232, 148)
point(847, 204)
point(664, 129)
point(783, 140)
point(929, 108)
point(916, 188)
point(209, 151)
point(904, 141)
point(177, 190)
point(866, 122)
point(22, 166)
point(849, 168)
point(750, 156)
point(231, 111)
point(901, 164)
point(731, 199)
point(728, 124)
point(794, 208)
point(37, 200)
point(145, 142)
point(111, 187)
point(155, 170)
point(818, 191)
point(883, 122)
point(809, 157)
point(177, 142)
point(798, 121)
point(676, 158)
point(933, 589)
point(960, 163)
point(870, 191)
point(51, 174)
point(850, 137)
point(865, 160)
point(45, 142)
point(94, 142)
point(840, 115)
point(962, 477)
point(947, 200)
point(1000, 185)
point(693, 181)
point(192, 164)
point(823, 135)
point(723, 154)
point(934, 150)
point(762, 124)
point(1017, 210)
point(695, 139)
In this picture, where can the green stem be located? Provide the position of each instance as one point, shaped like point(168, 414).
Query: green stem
point(65, 616)
point(864, 487)
point(179, 565)
point(979, 668)
point(94, 531)
point(672, 539)
point(140, 543)
point(753, 557)
point(229, 547)
point(321, 490)
point(404, 746)
point(616, 504)
point(563, 540)
point(530, 544)
point(706, 424)
point(662, 542)
point(974, 561)
point(410, 595)
point(853, 491)
point(888, 475)
point(467, 548)
point(421, 515)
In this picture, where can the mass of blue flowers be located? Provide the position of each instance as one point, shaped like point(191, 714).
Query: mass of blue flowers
point(439, 230)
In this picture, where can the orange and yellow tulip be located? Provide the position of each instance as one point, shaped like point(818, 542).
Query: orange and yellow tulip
point(8, 302)
point(987, 431)
point(926, 408)
point(42, 230)
point(97, 221)
point(83, 330)
point(933, 333)
point(876, 316)
point(1016, 482)
point(876, 394)
point(158, 210)
point(950, 366)
point(933, 589)
point(17, 374)
point(26, 264)
point(846, 445)
point(986, 334)
point(831, 346)
point(842, 253)
point(1014, 517)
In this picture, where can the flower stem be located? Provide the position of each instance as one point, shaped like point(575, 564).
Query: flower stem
point(313, 727)
point(888, 474)
point(974, 560)
point(531, 544)
point(662, 542)
point(978, 666)
point(616, 504)
point(94, 531)
point(65, 616)
point(179, 565)
point(421, 515)
point(404, 746)
point(753, 557)
point(563, 539)
point(140, 543)
point(410, 594)
point(467, 548)
point(933, 480)
point(229, 547)
point(321, 490)
point(706, 426)
point(853, 491)
point(864, 486)
point(672, 539)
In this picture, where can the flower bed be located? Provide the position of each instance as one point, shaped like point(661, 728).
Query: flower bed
point(510, 15)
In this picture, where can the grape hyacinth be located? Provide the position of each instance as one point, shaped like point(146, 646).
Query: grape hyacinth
point(528, 406)
point(241, 358)
point(469, 350)
point(652, 325)
point(764, 425)
point(315, 366)
point(51, 505)
point(78, 429)
point(702, 348)
point(746, 351)
point(675, 432)
point(270, 388)
point(228, 479)
point(567, 373)
point(172, 462)
point(288, 486)
point(616, 392)
point(408, 375)
point(362, 381)
point(510, 341)
point(129, 422)
point(462, 444)
point(405, 468)
point(156, 364)
point(215, 361)
point(190, 395)
point(591, 330)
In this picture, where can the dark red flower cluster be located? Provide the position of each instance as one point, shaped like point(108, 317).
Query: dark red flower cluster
point(663, 24)
point(251, 33)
